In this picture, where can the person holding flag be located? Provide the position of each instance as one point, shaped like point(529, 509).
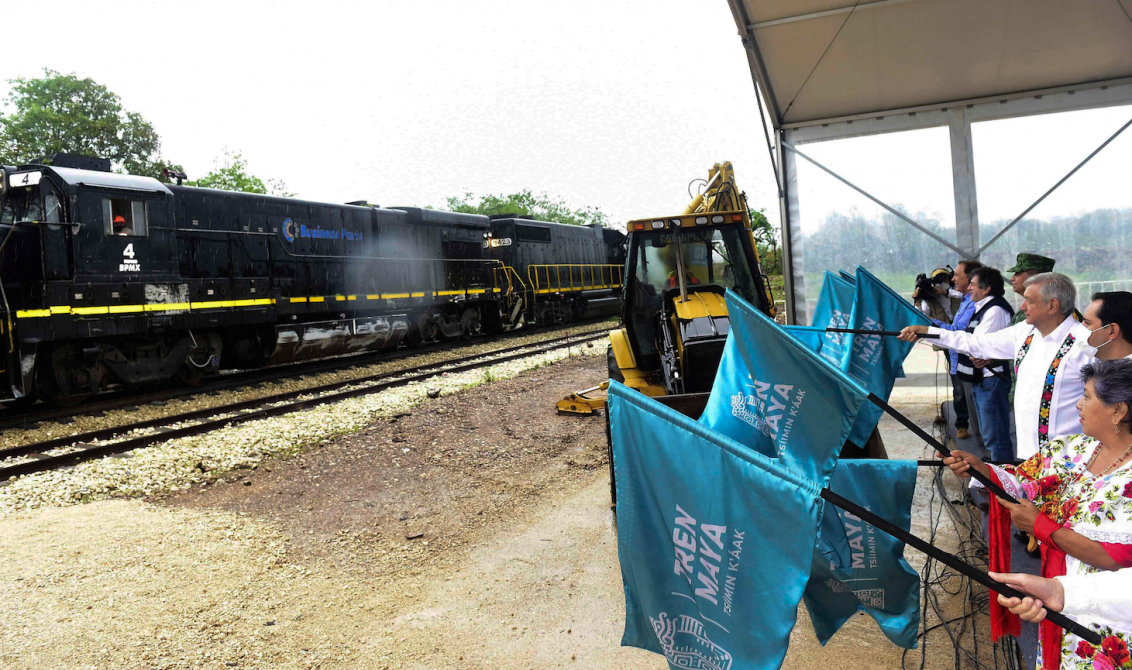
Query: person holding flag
point(1048, 350)
point(989, 380)
point(1075, 495)
point(966, 417)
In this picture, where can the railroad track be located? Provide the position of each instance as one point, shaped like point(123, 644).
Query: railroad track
point(207, 420)
point(16, 418)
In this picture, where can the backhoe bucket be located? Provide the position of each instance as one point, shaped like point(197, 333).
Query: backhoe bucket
point(581, 403)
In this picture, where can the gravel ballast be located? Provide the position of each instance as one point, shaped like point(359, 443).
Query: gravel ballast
point(82, 423)
point(181, 463)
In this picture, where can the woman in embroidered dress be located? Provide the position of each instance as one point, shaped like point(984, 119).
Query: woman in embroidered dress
point(1075, 496)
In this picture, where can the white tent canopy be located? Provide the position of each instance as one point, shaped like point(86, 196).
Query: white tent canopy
point(832, 69)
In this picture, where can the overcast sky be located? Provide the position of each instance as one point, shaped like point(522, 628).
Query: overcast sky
point(616, 104)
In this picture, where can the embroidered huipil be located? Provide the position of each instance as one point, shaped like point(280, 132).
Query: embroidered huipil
point(1099, 508)
point(1049, 375)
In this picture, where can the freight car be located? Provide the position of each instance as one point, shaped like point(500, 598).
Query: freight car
point(109, 279)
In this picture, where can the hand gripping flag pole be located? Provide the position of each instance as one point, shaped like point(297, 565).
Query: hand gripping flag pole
point(896, 333)
point(923, 435)
point(955, 562)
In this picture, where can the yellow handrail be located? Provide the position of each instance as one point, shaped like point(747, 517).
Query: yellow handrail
point(579, 277)
point(508, 273)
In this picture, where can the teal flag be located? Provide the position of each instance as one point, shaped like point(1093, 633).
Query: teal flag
point(875, 360)
point(715, 541)
point(847, 277)
point(850, 554)
point(860, 568)
point(809, 336)
point(777, 395)
point(833, 310)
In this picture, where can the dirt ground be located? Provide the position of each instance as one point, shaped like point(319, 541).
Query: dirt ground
point(474, 532)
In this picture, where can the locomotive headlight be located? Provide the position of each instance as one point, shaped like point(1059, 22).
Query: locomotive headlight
point(701, 220)
point(676, 222)
point(487, 236)
point(718, 218)
point(657, 225)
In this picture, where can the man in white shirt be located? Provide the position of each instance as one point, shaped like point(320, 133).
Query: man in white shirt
point(1048, 351)
point(1109, 318)
point(1103, 595)
point(989, 379)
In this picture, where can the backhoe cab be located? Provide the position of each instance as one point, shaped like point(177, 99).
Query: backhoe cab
point(674, 320)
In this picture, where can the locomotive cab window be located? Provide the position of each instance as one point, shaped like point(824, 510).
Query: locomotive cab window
point(20, 204)
point(124, 217)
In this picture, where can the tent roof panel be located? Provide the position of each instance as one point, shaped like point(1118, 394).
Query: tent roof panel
point(892, 54)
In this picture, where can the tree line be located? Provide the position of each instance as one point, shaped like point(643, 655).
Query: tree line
point(1089, 246)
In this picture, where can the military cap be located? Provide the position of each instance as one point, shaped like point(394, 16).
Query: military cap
point(1031, 263)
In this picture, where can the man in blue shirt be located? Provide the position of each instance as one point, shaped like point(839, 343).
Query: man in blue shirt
point(961, 391)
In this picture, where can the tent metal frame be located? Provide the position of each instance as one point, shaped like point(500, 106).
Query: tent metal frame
point(958, 117)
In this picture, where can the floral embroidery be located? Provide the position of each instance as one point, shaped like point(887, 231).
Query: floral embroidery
point(1099, 508)
point(1051, 378)
point(1111, 655)
point(1022, 353)
point(1116, 649)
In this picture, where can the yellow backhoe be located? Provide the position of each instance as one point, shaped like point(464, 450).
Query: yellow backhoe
point(674, 320)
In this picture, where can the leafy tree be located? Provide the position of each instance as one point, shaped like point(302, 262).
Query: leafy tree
point(766, 238)
point(62, 113)
point(230, 173)
point(540, 206)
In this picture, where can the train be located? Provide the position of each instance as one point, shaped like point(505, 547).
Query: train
point(110, 280)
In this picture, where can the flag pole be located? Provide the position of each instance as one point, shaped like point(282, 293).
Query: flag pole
point(886, 333)
point(923, 435)
point(955, 562)
point(896, 333)
point(935, 463)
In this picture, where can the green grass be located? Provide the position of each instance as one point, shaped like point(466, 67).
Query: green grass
point(777, 286)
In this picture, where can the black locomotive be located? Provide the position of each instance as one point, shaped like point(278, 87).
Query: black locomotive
point(114, 279)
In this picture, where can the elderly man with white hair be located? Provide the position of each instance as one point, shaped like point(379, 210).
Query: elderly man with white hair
point(1048, 351)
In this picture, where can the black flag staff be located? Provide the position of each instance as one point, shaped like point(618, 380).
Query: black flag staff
point(919, 432)
point(1090, 636)
point(896, 333)
point(940, 555)
point(974, 573)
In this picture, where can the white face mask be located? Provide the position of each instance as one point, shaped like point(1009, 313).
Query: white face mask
point(1098, 347)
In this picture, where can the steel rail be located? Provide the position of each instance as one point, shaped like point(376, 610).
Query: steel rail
point(225, 382)
point(122, 446)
